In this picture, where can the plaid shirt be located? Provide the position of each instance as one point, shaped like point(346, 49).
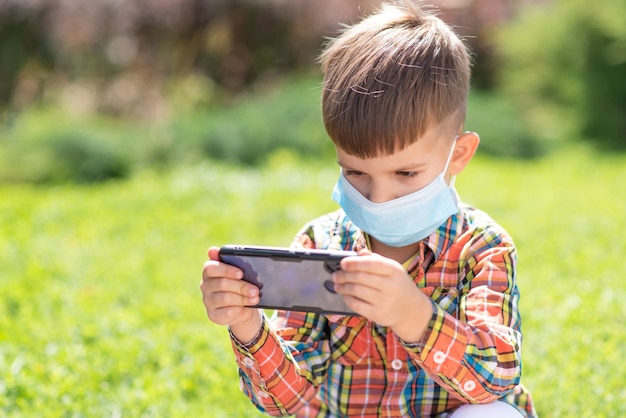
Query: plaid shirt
point(332, 365)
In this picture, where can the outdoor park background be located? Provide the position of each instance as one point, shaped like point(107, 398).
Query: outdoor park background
point(135, 134)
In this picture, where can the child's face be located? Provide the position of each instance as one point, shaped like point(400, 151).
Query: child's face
point(388, 177)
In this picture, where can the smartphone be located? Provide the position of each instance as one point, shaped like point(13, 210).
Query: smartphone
point(288, 279)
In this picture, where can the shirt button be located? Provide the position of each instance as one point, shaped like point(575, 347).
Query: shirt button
point(248, 362)
point(396, 364)
point(439, 357)
point(469, 386)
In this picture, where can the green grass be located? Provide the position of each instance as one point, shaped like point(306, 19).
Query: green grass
point(101, 315)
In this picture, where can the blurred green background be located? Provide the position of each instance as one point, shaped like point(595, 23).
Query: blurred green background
point(133, 135)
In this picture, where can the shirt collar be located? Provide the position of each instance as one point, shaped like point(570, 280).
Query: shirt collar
point(443, 237)
point(438, 242)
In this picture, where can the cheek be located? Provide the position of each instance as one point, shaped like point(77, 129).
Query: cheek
point(424, 180)
point(360, 183)
point(409, 186)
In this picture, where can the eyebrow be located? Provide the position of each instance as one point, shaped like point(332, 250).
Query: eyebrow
point(412, 167)
point(404, 168)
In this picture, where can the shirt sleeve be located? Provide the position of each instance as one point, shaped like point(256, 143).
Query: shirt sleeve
point(475, 352)
point(270, 375)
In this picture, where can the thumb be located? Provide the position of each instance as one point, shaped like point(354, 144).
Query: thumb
point(214, 253)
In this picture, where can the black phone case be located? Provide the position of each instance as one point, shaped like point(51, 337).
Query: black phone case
point(295, 280)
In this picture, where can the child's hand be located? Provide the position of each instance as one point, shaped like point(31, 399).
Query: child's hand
point(379, 289)
point(226, 295)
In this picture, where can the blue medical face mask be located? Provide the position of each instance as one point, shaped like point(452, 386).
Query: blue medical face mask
point(402, 221)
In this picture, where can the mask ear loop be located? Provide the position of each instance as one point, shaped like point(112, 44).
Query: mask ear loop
point(445, 168)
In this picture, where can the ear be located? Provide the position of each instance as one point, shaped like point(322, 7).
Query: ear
point(464, 149)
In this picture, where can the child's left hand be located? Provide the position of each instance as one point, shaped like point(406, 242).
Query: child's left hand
point(379, 289)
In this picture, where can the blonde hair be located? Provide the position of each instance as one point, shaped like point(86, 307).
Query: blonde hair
point(391, 77)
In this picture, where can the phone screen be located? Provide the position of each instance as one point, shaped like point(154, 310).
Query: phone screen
point(299, 281)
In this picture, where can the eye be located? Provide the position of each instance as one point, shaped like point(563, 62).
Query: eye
point(407, 174)
point(354, 173)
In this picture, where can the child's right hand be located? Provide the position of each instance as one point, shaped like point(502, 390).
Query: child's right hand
point(226, 297)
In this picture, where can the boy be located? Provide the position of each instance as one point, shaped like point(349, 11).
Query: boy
point(438, 331)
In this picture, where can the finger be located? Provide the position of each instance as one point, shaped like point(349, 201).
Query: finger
point(218, 300)
point(225, 315)
point(214, 285)
point(360, 290)
point(359, 306)
point(214, 268)
point(214, 253)
point(341, 277)
point(373, 264)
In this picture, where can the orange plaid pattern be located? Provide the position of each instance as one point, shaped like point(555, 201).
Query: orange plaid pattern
point(331, 365)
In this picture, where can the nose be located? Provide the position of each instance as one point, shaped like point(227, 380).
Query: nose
point(379, 193)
